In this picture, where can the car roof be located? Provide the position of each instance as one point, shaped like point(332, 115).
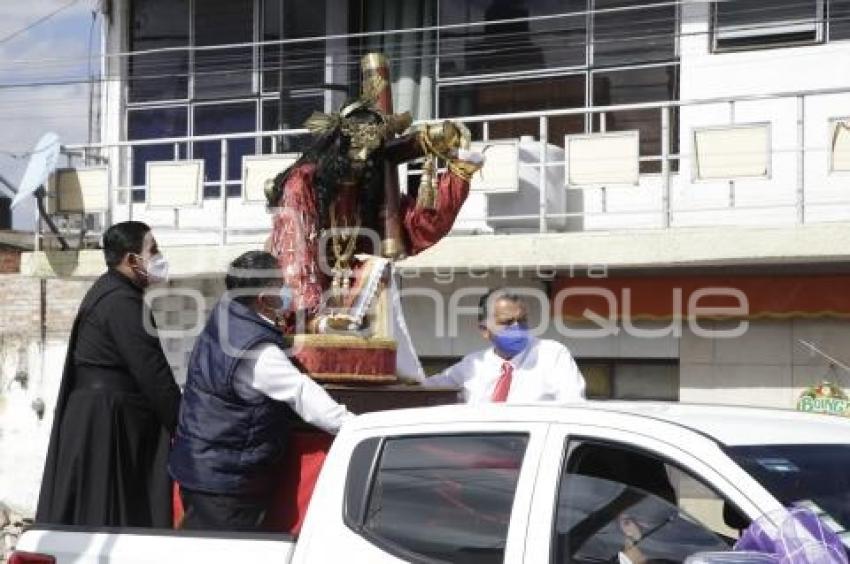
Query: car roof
point(727, 424)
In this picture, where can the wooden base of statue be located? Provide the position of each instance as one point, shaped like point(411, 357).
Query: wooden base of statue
point(346, 358)
point(349, 358)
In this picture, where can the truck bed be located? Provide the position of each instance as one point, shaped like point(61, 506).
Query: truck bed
point(81, 545)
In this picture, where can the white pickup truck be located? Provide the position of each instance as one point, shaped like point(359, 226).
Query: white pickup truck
point(593, 482)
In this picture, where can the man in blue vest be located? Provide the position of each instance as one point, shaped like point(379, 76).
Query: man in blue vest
point(240, 391)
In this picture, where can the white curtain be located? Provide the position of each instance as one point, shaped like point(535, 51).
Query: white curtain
point(411, 55)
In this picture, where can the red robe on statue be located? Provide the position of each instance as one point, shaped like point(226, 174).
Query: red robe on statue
point(296, 231)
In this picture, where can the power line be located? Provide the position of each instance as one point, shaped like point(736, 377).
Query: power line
point(37, 22)
point(319, 52)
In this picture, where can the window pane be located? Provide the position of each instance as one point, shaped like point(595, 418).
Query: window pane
point(754, 23)
point(520, 45)
point(223, 72)
point(802, 474)
point(412, 55)
point(294, 112)
point(616, 502)
point(759, 14)
point(154, 124)
point(224, 118)
point(447, 498)
point(518, 96)
point(655, 84)
point(598, 377)
point(157, 24)
point(646, 381)
point(839, 19)
point(298, 65)
point(638, 35)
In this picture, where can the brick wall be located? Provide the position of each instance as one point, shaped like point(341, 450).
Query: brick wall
point(19, 305)
point(10, 260)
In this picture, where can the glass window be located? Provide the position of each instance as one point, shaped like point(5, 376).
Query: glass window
point(224, 118)
point(813, 475)
point(447, 498)
point(153, 124)
point(412, 56)
point(523, 44)
point(297, 65)
point(656, 379)
point(754, 23)
point(839, 19)
point(654, 84)
point(221, 73)
point(518, 96)
point(639, 35)
point(156, 24)
point(288, 113)
point(618, 502)
point(646, 381)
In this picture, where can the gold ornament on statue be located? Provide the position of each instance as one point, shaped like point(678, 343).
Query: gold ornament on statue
point(441, 141)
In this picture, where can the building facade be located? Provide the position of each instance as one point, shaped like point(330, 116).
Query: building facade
point(722, 138)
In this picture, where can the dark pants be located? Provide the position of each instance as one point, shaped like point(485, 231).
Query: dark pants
point(217, 512)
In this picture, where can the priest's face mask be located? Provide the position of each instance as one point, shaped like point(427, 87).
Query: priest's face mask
point(149, 266)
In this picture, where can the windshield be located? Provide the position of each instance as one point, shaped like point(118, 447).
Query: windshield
point(808, 475)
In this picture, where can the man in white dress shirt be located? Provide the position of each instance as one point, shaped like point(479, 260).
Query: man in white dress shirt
point(518, 367)
point(235, 412)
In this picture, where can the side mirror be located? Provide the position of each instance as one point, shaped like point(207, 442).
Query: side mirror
point(730, 557)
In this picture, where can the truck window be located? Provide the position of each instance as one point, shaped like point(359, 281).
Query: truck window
point(616, 502)
point(443, 498)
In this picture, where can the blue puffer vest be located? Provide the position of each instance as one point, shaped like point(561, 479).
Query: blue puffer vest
point(225, 444)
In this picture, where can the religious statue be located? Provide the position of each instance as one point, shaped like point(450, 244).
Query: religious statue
point(343, 189)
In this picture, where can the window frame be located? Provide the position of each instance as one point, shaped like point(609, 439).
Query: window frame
point(704, 457)
point(568, 445)
point(770, 29)
point(534, 433)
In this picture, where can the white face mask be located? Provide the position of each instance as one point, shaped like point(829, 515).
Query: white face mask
point(156, 269)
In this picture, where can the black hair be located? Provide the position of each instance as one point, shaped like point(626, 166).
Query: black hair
point(250, 273)
point(494, 295)
point(329, 152)
point(123, 238)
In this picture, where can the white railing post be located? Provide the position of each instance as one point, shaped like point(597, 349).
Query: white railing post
point(223, 188)
point(801, 159)
point(544, 153)
point(665, 167)
point(130, 165)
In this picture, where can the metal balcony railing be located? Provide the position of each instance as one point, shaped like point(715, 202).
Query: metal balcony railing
point(801, 186)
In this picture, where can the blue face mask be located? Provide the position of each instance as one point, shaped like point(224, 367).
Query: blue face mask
point(511, 340)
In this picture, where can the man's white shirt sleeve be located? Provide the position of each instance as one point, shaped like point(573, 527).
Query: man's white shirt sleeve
point(571, 384)
point(272, 374)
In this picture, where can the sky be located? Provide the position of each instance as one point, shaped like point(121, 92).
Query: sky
point(53, 51)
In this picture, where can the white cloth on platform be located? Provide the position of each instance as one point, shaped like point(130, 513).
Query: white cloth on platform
point(544, 371)
point(407, 361)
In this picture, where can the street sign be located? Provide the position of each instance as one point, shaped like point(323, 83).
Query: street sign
point(42, 163)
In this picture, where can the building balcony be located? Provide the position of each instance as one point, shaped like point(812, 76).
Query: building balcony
point(637, 183)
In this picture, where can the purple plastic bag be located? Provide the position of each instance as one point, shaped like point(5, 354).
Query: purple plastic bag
point(801, 538)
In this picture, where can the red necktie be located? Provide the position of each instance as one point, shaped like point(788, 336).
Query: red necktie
point(503, 385)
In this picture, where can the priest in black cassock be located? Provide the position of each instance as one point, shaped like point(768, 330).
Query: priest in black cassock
point(117, 403)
